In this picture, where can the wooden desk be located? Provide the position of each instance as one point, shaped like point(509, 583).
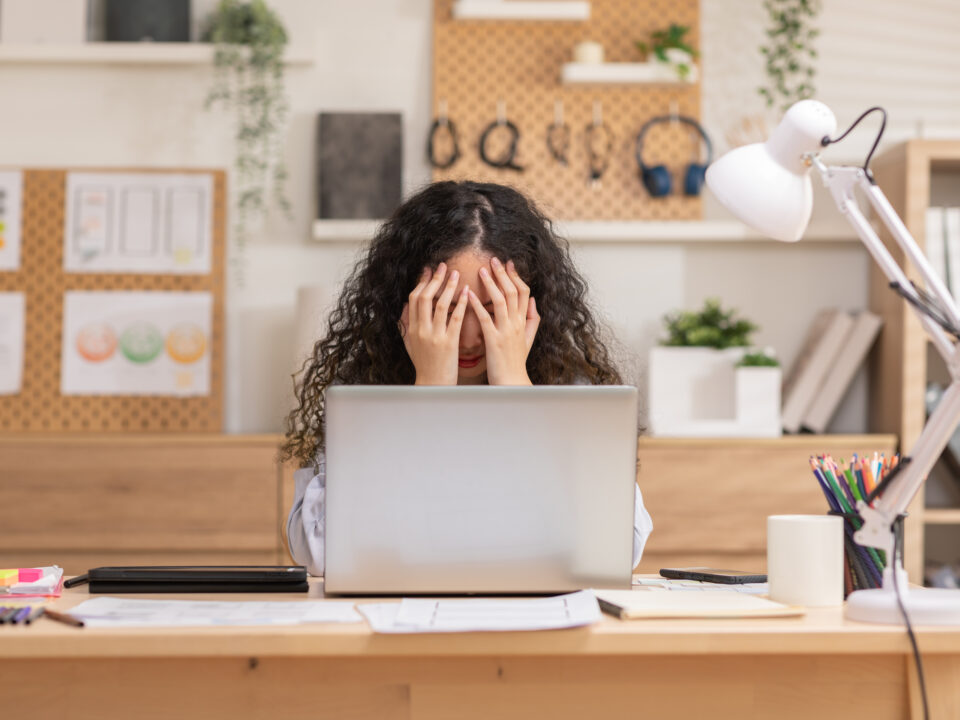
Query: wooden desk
point(819, 666)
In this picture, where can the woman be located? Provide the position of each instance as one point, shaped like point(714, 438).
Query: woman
point(466, 283)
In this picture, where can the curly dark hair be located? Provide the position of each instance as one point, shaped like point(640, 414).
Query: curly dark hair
point(363, 344)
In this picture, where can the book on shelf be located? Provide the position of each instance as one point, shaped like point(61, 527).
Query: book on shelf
point(935, 245)
point(840, 374)
point(822, 345)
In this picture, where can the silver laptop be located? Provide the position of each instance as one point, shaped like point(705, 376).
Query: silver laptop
point(434, 490)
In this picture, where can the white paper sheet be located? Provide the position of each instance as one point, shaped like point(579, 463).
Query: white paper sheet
point(11, 202)
point(136, 343)
point(122, 612)
point(482, 615)
point(144, 223)
point(12, 318)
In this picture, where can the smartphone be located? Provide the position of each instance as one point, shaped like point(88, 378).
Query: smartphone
point(713, 575)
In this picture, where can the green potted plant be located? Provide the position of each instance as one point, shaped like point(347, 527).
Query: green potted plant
point(249, 79)
point(671, 48)
point(695, 387)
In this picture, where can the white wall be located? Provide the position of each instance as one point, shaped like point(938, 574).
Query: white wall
point(375, 55)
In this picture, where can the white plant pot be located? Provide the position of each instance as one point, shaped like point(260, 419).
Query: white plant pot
point(699, 392)
point(758, 400)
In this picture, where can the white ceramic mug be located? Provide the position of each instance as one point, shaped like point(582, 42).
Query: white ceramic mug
point(805, 559)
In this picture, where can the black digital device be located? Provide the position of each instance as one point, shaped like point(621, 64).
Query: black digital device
point(198, 578)
point(714, 575)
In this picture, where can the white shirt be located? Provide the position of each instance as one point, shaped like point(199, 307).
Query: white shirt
point(306, 523)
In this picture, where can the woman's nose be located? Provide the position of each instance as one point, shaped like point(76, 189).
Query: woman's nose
point(471, 334)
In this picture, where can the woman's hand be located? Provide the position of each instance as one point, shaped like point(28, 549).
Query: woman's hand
point(508, 335)
point(431, 338)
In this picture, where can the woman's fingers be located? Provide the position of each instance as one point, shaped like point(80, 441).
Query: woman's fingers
point(486, 322)
point(523, 292)
point(414, 298)
point(425, 301)
point(500, 311)
point(533, 322)
point(459, 311)
point(507, 287)
point(443, 302)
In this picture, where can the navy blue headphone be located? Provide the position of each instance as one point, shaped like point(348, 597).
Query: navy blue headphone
point(656, 179)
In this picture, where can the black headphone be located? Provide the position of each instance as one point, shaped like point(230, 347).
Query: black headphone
point(656, 179)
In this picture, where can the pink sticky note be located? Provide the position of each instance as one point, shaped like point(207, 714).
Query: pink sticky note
point(29, 575)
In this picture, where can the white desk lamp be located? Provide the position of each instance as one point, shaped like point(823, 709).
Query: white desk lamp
point(767, 185)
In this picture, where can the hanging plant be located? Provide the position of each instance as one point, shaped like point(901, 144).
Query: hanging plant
point(789, 52)
point(248, 77)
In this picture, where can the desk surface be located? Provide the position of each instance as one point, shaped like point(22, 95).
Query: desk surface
point(820, 631)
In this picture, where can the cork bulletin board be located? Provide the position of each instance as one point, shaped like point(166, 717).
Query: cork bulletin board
point(478, 63)
point(39, 407)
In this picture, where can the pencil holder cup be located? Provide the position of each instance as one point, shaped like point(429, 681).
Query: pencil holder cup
point(863, 566)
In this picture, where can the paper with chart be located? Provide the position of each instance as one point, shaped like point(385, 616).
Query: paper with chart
point(136, 343)
point(11, 202)
point(123, 612)
point(138, 223)
point(482, 615)
point(12, 320)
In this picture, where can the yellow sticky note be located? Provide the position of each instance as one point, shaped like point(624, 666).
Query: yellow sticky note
point(9, 577)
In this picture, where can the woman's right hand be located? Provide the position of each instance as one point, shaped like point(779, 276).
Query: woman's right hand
point(431, 337)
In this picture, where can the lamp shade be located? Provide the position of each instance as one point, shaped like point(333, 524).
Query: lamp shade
point(767, 185)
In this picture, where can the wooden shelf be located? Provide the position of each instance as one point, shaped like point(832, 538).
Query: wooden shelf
point(566, 10)
point(122, 53)
point(941, 516)
point(618, 231)
point(620, 73)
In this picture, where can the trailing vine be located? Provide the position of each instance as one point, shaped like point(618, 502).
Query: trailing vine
point(789, 52)
point(248, 77)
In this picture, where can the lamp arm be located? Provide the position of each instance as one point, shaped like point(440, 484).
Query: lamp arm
point(877, 530)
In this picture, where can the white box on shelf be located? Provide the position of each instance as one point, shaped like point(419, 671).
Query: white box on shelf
point(43, 21)
point(699, 392)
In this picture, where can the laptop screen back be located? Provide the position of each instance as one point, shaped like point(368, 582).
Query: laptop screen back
point(479, 489)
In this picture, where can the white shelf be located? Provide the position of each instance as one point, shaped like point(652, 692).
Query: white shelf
point(568, 10)
point(620, 73)
point(147, 53)
point(619, 231)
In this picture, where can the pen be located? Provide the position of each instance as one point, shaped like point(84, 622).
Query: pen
point(63, 617)
point(36, 613)
point(21, 614)
point(7, 614)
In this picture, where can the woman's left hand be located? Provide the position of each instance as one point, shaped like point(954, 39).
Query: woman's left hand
point(508, 335)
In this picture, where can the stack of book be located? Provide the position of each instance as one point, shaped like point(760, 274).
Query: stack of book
point(832, 352)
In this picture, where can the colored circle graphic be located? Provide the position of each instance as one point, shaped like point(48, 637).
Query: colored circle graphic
point(186, 343)
point(96, 342)
point(141, 342)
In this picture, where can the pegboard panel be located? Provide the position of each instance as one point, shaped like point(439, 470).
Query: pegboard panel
point(476, 63)
point(39, 407)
